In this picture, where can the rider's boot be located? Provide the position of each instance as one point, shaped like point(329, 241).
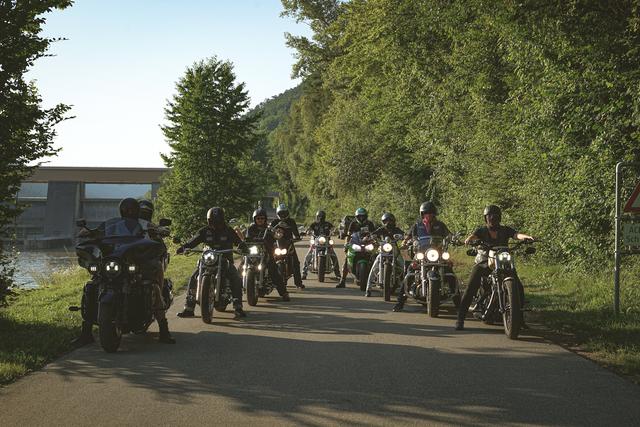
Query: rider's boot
point(86, 335)
point(238, 312)
point(189, 306)
point(285, 297)
point(165, 337)
point(342, 283)
point(399, 306)
point(304, 275)
point(460, 321)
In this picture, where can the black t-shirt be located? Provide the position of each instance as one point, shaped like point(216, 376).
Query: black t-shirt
point(321, 228)
point(291, 223)
point(366, 226)
point(224, 238)
point(504, 233)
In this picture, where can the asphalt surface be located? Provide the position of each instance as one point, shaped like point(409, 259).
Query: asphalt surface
point(327, 357)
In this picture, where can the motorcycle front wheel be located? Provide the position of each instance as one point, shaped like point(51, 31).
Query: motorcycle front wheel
point(322, 264)
point(252, 289)
point(433, 301)
point(512, 316)
point(110, 333)
point(362, 276)
point(207, 300)
point(386, 280)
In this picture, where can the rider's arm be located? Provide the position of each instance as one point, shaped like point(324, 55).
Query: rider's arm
point(195, 240)
point(294, 226)
point(242, 246)
point(521, 236)
point(471, 238)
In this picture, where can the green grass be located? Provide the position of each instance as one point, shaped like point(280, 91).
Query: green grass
point(36, 326)
point(577, 308)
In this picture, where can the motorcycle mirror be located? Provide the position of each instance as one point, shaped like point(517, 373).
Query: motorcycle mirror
point(176, 240)
point(472, 252)
point(530, 250)
point(164, 222)
point(81, 222)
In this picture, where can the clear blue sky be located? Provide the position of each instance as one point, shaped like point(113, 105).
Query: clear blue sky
point(123, 58)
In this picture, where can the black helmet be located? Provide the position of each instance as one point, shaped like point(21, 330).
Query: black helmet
point(493, 210)
point(215, 216)
point(428, 208)
point(146, 210)
point(321, 216)
point(388, 219)
point(259, 212)
point(361, 215)
point(129, 208)
point(282, 211)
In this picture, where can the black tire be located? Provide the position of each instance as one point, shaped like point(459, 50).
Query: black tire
point(110, 334)
point(322, 261)
point(252, 289)
point(456, 298)
point(386, 282)
point(281, 270)
point(362, 277)
point(512, 316)
point(433, 299)
point(207, 299)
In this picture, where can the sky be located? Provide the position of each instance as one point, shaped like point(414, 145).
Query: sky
point(120, 63)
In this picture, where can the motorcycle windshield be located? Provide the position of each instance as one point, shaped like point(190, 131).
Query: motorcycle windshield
point(423, 243)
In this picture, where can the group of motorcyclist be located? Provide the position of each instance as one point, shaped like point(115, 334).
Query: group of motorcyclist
point(135, 217)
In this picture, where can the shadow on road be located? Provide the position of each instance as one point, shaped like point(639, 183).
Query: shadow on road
point(304, 381)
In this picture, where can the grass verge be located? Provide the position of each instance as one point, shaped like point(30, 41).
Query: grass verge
point(36, 326)
point(575, 310)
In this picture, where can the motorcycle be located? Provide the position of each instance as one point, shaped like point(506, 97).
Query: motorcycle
point(321, 261)
point(124, 268)
point(390, 267)
point(427, 273)
point(500, 295)
point(360, 250)
point(283, 250)
point(255, 275)
point(213, 290)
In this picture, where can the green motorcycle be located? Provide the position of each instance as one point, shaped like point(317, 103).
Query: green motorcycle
point(361, 251)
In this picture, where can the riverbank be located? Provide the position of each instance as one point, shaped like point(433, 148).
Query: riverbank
point(37, 326)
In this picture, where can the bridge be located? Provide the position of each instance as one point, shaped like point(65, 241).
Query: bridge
point(57, 196)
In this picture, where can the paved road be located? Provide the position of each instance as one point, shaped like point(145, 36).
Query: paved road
point(328, 357)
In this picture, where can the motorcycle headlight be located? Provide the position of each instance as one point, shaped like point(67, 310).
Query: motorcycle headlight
point(312, 241)
point(419, 256)
point(387, 247)
point(253, 250)
point(283, 251)
point(209, 257)
point(331, 242)
point(356, 247)
point(433, 255)
point(446, 256)
point(93, 268)
point(277, 251)
point(504, 256)
point(133, 268)
point(322, 240)
point(112, 268)
point(259, 267)
point(369, 247)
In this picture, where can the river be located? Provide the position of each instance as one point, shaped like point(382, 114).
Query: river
point(31, 265)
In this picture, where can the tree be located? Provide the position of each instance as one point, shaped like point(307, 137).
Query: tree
point(26, 129)
point(211, 143)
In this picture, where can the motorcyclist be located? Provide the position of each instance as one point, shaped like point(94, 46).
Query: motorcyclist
point(217, 235)
point(493, 234)
point(258, 231)
point(388, 229)
point(360, 224)
point(282, 212)
point(321, 227)
point(426, 226)
point(129, 223)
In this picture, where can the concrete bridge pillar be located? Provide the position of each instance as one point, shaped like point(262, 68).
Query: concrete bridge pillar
point(63, 204)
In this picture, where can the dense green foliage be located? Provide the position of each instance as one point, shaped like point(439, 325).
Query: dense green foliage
point(26, 129)
point(528, 105)
point(212, 142)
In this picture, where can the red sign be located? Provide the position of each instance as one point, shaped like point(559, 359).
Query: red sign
point(633, 204)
